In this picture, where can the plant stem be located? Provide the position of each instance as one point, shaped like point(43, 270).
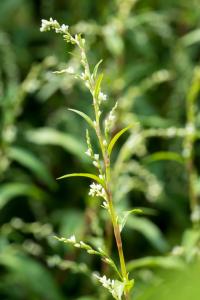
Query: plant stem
point(190, 139)
point(112, 211)
point(106, 160)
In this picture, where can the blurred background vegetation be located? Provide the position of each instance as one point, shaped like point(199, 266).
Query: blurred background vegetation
point(151, 52)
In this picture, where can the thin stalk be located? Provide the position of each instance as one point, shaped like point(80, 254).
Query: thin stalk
point(106, 160)
point(112, 211)
point(189, 142)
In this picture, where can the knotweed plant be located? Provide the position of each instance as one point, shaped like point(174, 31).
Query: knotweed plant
point(101, 187)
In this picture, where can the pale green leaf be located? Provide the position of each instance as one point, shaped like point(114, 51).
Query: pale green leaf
point(30, 161)
point(116, 137)
point(88, 175)
point(149, 230)
point(123, 219)
point(26, 272)
point(84, 116)
point(191, 38)
point(96, 68)
point(164, 155)
point(98, 86)
point(8, 191)
point(168, 262)
point(50, 136)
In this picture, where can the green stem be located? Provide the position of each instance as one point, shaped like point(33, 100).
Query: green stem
point(112, 211)
point(106, 160)
point(190, 140)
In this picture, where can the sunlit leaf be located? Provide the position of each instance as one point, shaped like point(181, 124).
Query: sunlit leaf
point(84, 116)
point(148, 229)
point(34, 277)
point(96, 68)
point(116, 137)
point(8, 191)
point(123, 219)
point(88, 175)
point(166, 262)
point(30, 161)
point(164, 155)
point(98, 86)
point(50, 136)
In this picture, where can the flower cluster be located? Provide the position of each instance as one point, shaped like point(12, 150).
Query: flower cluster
point(110, 120)
point(94, 156)
point(97, 190)
point(89, 152)
point(53, 24)
point(102, 97)
point(111, 285)
point(80, 244)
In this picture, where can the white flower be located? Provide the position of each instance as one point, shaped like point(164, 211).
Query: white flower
point(101, 177)
point(47, 25)
point(109, 122)
point(84, 76)
point(102, 97)
point(104, 142)
point(97, 190)
point(72, 239)
point(95, 163)
point(109, 285)
point(96, 156)
point(70, 70)
point(64, 28)
point(111, 117)
point(105, 205)
point(88, 152)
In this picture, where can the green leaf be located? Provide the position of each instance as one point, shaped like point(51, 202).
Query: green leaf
point(96, 68)
point(50, 136)
point(191, 38)
point(116, 137)
point(35, 279)
point(168, 262)
point(98, 86)
point(30, 161)
point(8, 191)
point(123, 219)
point(84, 116)
point(164, 155)
point(148, 229)
point(88, 175)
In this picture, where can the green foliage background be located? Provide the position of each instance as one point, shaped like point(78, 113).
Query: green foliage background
point(150, 51)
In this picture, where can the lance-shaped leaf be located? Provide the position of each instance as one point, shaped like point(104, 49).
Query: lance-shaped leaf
point(123, 219)
point(11, 190)
point(88, 175)
point(84, 116)
point(96, 68)
point(164, 155)
point(30, 161)
point(166, 262)
point(98, 86)
point(116, 137)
